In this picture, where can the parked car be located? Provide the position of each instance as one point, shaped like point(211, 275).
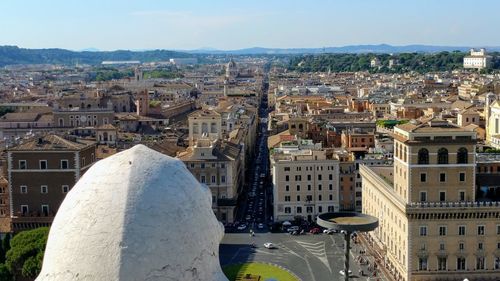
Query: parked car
point(329, 231)
point(292, 228)
point(242, 227)
point(269, 245)
point(260, 226)
point(315, 230)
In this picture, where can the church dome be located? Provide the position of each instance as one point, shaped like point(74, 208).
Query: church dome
point(138, 215)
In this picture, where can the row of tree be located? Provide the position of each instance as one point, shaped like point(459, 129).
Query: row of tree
point(23, 254)
point(404, 62)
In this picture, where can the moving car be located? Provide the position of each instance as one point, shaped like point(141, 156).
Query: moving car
point(342, 272)
point(269, 245)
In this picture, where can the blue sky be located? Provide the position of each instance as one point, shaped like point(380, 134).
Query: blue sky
point(233, 24)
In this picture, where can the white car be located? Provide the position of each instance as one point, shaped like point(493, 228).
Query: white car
point(260, 226)
point(269, 245)
point(342, 272)
point(329, 231)
point(242, 227)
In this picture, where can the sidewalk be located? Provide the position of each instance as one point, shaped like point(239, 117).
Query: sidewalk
point(374, 257)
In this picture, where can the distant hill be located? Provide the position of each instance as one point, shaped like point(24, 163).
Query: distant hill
point(15, 55)
point(356, 49)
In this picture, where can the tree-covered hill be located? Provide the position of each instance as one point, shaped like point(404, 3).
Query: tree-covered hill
point(420, 62)
point(15, 55)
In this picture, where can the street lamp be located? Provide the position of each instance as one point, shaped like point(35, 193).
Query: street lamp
point(347, 223)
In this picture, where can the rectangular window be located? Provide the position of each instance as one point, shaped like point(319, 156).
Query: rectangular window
point(64, 164)
point(441, 263)
point(330, 197)
point(45, 210)
point(287, 178)
point(422, 264)
point(461, 195)
point(442, 231)
point(461, 246)
point(480, 246)
point(23, 165)
point(319, 177)
point(461, 177)
point(442, 196)
point(441, 246)
point(330, 177)
point(498, 229)
point(44, 189)
point(460, 263)
point(423, 231)
point(24, 209)
point(309, 198)
point(298, 187)
point(461, 230)
point(24, 189)
point(286, 169)
point(298, 198)
point(320, 209)
point(288, 210)
point(423, 177)
point(43, 164)
point(309, 209)
point(287, 188)
point(309, 177)
point(299, 210)
point(423, 196)
point(287, 198)
point(65, 189)
point(480, 263)
point(213, 179)
point(202, 166)
point(223, 179)
point(330, 187)
point(320, 186)
point(480, 230)
point(442, 177)
point(202, 179)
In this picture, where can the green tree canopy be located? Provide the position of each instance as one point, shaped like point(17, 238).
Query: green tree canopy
point(26, 253)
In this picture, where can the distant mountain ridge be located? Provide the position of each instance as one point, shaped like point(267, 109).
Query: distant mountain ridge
point(15, 55)
point(357, 49)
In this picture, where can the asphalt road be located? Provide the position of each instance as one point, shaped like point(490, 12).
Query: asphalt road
point(310, 257)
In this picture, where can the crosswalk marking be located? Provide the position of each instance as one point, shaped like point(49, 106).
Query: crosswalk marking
point(318, 250)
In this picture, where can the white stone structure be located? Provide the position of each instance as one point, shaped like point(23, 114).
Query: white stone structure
point(477, 59)
point(138, 215)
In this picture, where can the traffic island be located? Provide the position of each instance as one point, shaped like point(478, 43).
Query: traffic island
point(256, 271)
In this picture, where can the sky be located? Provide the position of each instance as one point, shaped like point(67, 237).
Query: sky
point(233, 24)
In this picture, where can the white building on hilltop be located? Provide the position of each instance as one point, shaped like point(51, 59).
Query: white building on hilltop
point(477, 59)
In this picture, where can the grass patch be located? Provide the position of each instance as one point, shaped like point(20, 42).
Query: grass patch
point(237, 272)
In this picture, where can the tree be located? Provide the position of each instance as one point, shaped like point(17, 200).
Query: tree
point(26, 253)
point(5, 273)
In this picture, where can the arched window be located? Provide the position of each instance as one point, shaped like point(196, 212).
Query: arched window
point(443, 156)
point(462, 155)
point(423, 156)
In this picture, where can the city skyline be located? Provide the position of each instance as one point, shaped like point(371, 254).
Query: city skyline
point(227, 26)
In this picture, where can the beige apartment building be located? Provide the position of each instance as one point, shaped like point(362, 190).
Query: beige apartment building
point(305, 180)
point(204, 123)
point(219, 165)
point(431, 226)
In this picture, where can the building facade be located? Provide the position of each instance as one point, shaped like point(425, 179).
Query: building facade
point(305, 181)
point(40, 173)
point(431, 225)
